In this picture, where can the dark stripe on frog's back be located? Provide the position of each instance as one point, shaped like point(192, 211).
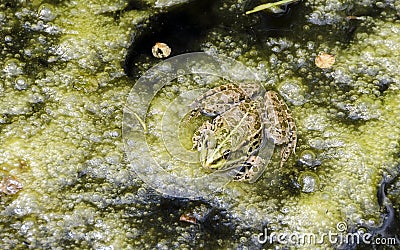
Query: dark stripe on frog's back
point(276, 118)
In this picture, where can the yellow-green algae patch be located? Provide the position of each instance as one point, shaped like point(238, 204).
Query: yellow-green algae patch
point(356, 156)
point(349, 182)
point(73, 131)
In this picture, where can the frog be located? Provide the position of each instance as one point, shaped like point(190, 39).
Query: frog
point(243, 117)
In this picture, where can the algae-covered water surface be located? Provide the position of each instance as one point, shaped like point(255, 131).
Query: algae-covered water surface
point(96, 143)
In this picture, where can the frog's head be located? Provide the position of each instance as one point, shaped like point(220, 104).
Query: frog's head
point(220, 146)
point(213, 154)
point(214, 158)
point(218, 153)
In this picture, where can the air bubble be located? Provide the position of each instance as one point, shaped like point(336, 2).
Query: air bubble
point(46, 12)
point(12, 67)
point(8, 39)
point(21, 83)
point(307, 158)
point(309, 182)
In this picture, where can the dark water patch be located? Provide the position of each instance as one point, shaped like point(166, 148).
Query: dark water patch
point(137, 5)
point(185, 28)
point(388, 233)
point(181, 29)
point(272, 24)
point(165, 214)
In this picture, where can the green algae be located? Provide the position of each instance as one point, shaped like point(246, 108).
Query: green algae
point(64, 89)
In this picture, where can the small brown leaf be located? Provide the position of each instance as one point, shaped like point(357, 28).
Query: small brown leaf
point(10, 185)
point(324, 60)
point(188, 218)
point(161, 50)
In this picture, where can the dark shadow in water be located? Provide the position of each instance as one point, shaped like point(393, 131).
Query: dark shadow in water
point(185, 27)
point(389, 228)
point(181, 29)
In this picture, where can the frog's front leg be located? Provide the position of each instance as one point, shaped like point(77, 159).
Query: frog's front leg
point(251, 169)
point(202, 135)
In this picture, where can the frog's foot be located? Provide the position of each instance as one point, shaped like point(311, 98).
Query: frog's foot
point(290, 147)
point(251, 169)
point(286, 151)
point(193, 115)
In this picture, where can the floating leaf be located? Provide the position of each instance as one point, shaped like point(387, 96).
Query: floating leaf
point(324, 60)
point(269, 6)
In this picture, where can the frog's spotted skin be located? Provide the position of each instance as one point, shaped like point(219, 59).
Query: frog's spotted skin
point(243, 118)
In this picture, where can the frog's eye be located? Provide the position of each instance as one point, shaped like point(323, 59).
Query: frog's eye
point(225, 154)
